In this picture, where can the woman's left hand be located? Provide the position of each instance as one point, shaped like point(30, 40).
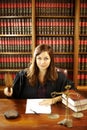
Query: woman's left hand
point(46, 102)
point(51, 101)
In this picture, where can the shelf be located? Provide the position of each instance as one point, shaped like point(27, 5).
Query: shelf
point(85, 53)
point(83, 88)
point(83, 35)
point(82, 70)
point(83, 16)
point(10, 17)
point(66, 53)
point(10, 53)
point(9, 70)
point(54, 16)
point(56, 35)
point(15, 35)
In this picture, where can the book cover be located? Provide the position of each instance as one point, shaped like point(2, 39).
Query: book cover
point(75, 98)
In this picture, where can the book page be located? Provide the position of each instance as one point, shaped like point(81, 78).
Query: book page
point(32, 106)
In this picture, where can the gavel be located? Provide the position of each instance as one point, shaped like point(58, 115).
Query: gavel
point(8, 81)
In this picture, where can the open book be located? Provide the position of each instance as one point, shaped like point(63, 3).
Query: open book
point(32, 106)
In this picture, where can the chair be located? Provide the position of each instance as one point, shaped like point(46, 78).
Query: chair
point(63, 71)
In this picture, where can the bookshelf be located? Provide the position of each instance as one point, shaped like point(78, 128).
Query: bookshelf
point(59, 23)
point(82, 52)
point(15, 36)
point(55, 26)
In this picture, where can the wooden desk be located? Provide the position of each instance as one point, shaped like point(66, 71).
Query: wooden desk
point(36, 122)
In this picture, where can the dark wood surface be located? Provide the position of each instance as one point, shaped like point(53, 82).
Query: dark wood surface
point(36, 122)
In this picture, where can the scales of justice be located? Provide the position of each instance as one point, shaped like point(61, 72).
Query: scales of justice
point(67, 121)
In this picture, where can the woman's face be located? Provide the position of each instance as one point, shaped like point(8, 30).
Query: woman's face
point(43, 61)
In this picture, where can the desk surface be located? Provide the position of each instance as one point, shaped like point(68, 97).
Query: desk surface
point(36, 122)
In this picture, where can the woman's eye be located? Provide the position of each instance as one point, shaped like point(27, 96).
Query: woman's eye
point(46, 58)
point(39, 58)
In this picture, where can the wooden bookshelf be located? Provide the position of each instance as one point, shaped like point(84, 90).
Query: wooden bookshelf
point(43, 11)
point(82, 53)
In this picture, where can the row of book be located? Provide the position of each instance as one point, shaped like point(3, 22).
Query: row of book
point(82, 78)
point(23, 44)
point(15, 44)
point(15, 61)
point(83, 7)
point(83, 22)
point(43, 26)
point(55, 22)
point(59, 44)
point(21, 60)
point(83, 26)
point(50, 7)
point(75, 101)
point(55, 7)
point(18, 8)
point(83, 62)
point(83, 44)
point(54, 26)
point(83, 30)
point(15, 26)
point(64, 61)
point(53, 30)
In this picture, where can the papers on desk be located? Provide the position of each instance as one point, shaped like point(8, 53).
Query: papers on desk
point(33, 107)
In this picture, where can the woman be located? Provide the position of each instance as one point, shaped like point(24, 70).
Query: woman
point(41, 79)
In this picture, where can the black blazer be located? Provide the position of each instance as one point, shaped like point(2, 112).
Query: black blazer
point(23, 90)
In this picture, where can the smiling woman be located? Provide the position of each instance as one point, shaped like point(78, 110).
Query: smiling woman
point(40, 79)
point(43, 61)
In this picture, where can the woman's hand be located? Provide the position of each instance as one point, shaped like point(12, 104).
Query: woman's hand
point(46, 102)
point(8, 93)
point(51, 101)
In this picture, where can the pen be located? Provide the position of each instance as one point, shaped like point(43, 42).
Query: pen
point(34, 112)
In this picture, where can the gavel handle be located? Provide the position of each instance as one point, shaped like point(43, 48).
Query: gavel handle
point(9, 89)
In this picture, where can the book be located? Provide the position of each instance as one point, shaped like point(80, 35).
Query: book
point(75, 98)
point(33, 107)
point(75, 108)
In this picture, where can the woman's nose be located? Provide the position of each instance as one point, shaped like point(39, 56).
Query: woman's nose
point(42, 61)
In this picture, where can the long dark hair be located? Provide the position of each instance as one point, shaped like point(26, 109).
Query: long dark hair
point(33, 70)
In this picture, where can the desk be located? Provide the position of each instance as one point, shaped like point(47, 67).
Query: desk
point(36, 122)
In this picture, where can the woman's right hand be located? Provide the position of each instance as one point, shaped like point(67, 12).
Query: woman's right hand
point(7, 92)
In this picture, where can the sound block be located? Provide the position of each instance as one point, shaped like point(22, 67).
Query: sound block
point(11, 114)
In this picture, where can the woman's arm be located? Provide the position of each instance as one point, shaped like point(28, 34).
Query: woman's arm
point(17, 85)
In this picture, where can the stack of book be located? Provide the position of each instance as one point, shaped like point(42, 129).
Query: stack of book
point(74, 100)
